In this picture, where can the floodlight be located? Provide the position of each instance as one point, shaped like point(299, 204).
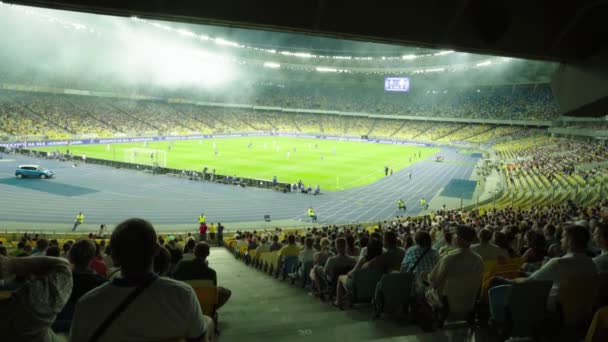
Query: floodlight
point(324, 69)
point(272, 65)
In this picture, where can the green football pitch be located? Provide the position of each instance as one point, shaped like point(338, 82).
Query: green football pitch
point(332, 164)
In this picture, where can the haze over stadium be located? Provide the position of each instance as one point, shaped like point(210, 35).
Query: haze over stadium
point(299, 145)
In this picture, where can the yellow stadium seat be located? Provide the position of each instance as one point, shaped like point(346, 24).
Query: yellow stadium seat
point(5, 294)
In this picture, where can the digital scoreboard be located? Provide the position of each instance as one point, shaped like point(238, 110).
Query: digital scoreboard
point(401, 84)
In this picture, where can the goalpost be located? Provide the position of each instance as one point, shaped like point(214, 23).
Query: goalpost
point(146, 156)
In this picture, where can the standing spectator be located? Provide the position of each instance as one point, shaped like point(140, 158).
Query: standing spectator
point(220, 234)
point(212, 231)
point(98, 264)
point(44, 280)
point(202, 232)
point(198, 269)
point(164, 309)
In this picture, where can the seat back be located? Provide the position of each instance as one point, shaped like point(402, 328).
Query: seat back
point(576, 298)
point(273, 261)
point(598, 330)
point(393, 291)
point(5, 294)
point(290, 263)
point(206, 293)
point(602, 299)
point(461, 293)
point(306, 267)
point(527, 307)
point(364, 284)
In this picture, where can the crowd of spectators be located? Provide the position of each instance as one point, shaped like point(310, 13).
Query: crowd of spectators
point(77, 288)
point(62, 116)
point(547, 243)
point(553, 158)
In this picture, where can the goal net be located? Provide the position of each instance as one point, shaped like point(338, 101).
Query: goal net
point(146, 156)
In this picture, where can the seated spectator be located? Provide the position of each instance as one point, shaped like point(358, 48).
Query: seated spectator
point(162, 262)
point(291, 249)
point(189, 250)
point(275, 245)
point(3, 251)
point(408, 242)
point(460, 262)
point(486, 250)
point(53, 251)
point(163, 309)
point(84, 279)
point(262, 248)
point(351, 249)
point(41, 246)
point(65, 249)
point(45, 286)
point(392, 257)
point(601, 237)
point(306, 255)
point(447, 246)
point(374, 250)
point(535, 251)
point(421, 258)
point(241, 242)
point(198, 269)
point(574, 264)
point(322, 272)
point(500, 239)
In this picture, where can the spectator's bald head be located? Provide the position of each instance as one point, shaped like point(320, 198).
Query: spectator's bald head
point(134, 245)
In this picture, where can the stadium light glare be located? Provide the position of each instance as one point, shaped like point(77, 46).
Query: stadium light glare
point(443, 53)
point(325, 69)
point(434, 70)
point(272, 65)
point(186, 33)
point(484, 63)
point(409, 57)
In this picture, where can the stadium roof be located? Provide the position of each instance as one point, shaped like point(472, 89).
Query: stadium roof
point(559, 31)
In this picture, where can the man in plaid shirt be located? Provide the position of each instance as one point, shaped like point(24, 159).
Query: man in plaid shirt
point(420, 258)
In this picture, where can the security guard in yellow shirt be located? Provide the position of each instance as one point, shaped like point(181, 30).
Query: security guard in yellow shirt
point(202, 219)
point(79, 220)
point(311, 214)
point(212, 231)
point(401, 205)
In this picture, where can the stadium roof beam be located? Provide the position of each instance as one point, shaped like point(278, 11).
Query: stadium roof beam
point(509, 28)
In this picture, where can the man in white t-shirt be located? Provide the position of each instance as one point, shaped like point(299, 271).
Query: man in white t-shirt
point(574, 264)
point(164, 309)
point(485, 249)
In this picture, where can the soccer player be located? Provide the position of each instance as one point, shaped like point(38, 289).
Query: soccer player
point(401, 205)
point(79, 220)
point(311, 214)
point(386, 171)
point(410, 175)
